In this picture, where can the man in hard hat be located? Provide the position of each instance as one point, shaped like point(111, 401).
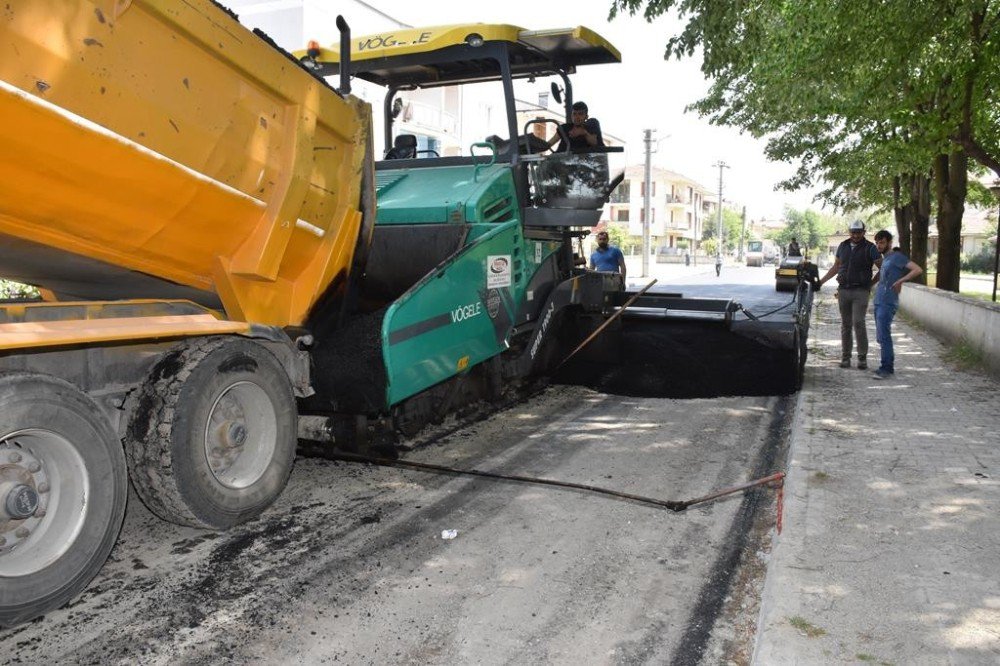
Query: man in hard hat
point(853, 267)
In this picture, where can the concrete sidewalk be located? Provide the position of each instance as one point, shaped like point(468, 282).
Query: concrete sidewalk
point(890, 552)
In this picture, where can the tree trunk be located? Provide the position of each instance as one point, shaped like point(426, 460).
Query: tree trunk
point(899, 209)
point(920, 201)
point(950, 187)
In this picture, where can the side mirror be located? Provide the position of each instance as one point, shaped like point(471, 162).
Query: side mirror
point(556, 93)
point(397, 107)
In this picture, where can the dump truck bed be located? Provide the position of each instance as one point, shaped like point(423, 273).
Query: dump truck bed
point(154, 149)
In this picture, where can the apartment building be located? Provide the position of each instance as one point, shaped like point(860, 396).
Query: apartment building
point(679, 207)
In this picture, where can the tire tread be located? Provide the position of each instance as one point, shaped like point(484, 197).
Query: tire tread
point(147, 442)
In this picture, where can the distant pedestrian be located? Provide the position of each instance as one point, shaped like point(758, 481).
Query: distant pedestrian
point(793, 249)
point(607, 257)
point(853, 267)
point(896, 269)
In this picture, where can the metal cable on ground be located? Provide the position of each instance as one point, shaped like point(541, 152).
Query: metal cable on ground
point(803, 285)
point(755, 317)
point(673, 505)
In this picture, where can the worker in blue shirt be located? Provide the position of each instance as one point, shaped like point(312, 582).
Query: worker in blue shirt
point(606, 257)
point(896, 269)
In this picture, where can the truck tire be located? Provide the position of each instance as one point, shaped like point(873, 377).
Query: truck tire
point(62, 493)
point(212, 434)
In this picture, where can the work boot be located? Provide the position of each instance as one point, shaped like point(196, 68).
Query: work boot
point(846, 363)
point(862, 364)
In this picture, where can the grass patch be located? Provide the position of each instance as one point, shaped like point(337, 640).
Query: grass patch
point(818, 351)
point(980, 295)
point(809, 629)
point(964, 356)
point(869, 659)
point(915, 323)
point(821, 476)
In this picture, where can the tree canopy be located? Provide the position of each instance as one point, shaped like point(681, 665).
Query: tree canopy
point(732, 228)
point(853, 93)
point(809, 228)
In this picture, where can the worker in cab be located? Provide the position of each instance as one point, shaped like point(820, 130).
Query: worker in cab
point(583, 132)
point(607, 257)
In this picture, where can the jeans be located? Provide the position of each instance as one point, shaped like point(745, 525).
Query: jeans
point(884, 312)
point(853, 305)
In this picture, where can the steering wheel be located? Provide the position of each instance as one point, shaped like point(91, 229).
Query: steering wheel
point(559, 129)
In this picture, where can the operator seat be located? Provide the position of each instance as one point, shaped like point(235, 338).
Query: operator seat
point(404, 147)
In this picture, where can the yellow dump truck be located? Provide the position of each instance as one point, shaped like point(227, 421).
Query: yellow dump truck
point(183, 194)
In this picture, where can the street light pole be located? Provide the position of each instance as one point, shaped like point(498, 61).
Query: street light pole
point(718, 240)
point(648, 138)
point(743, 233)
point(995, 188)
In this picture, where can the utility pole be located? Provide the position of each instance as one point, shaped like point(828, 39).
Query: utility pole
point(718, 241)
point(648, 138)
point(743, 233)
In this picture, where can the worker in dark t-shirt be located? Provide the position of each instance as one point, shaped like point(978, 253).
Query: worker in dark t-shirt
point(584, 132)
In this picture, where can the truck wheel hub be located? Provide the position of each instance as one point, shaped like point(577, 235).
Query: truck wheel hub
point(24, 493)
point(237, 434)
point(240, 435)
point(21, 502)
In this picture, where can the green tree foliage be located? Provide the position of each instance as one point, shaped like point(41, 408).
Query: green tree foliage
point(17, 291)
point(732, 227)
point(708, 246)
point(619, 237)
point(869, 97)
point(809, 228)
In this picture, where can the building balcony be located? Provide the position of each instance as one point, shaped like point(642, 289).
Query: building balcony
point(677, 202)
point(430, 117)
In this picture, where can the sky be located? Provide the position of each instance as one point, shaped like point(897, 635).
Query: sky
point(643, 92)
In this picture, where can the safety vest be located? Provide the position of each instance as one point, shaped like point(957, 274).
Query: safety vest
point(855, 264)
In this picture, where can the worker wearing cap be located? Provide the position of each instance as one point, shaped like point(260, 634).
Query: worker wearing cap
point(853, 267)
